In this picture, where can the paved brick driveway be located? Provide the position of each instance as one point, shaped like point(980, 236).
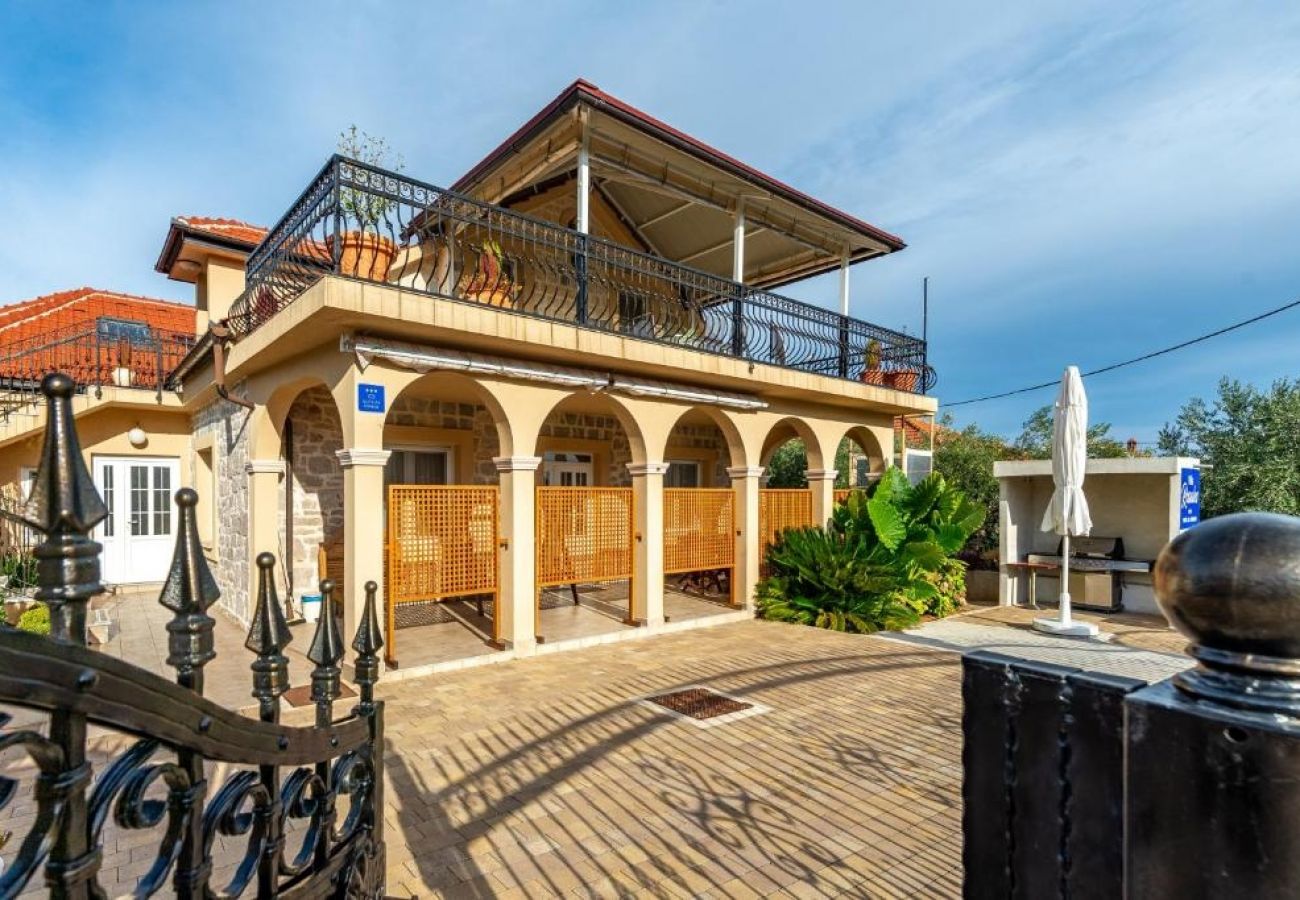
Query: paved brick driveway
point(545, 778)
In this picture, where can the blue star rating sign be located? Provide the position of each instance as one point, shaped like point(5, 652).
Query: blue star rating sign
point(370, 398)
point(1189, 500)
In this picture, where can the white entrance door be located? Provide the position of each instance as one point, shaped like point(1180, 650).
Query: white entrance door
point(568, 470)
point(139, 533)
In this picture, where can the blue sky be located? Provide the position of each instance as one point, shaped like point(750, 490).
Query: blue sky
point(1133, 166)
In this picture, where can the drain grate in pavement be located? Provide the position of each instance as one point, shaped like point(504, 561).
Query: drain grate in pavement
point(703, 707)
point(700, 703)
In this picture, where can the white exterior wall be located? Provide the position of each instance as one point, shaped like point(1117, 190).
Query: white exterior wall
point(1135, 499)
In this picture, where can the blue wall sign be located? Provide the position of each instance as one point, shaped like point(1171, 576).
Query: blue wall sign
point(370, 398)
point(1189, 500)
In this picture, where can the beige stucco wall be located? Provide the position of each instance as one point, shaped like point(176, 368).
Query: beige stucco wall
point(103, 432)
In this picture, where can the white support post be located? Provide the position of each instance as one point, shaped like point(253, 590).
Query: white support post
point(584, 178)
point(517, 590)
point(738, 244)
point(844, 283)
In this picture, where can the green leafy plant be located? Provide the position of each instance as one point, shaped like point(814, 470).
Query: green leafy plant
point(36, 619)
point(883, 560)
point(366, 208)
point(19, 570)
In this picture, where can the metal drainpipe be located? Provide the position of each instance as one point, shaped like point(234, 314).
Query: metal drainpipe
point(220, 331)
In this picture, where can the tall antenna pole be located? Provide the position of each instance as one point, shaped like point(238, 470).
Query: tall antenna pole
point(925, 328)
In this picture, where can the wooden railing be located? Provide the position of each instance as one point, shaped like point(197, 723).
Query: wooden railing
point(442, 543)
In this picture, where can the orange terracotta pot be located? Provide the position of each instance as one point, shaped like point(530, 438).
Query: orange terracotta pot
point(873, 376)
point(904, 379)
point(364, 255)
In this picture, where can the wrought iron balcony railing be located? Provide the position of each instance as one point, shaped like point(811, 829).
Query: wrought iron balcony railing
point(358, 221)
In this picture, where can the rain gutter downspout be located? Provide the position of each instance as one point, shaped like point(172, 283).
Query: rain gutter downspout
point(220, 332)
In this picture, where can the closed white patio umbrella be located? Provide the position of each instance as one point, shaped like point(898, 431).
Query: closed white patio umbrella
point(1067, 514)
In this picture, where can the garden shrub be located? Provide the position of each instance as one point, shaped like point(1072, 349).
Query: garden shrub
point(883, 560)
point(36, 619)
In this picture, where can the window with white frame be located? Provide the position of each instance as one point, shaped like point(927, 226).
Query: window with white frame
point(683, 473)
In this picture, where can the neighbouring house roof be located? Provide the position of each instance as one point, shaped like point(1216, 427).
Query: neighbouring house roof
point(220, 233)
point(64, 312)
point(674, 194)
point(42, 333)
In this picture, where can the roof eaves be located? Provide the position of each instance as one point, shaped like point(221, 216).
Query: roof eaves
point(582, 90)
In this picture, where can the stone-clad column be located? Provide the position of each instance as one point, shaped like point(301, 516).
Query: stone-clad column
point(746, 482)
point(363, 529)
point(264, 487)
point(822, 484)
point(647, 607)
point(517, 602)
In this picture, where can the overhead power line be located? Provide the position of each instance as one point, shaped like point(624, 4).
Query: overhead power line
point(1137, 359)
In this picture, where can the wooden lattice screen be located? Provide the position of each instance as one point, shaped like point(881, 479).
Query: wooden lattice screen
point(699, 529)
point(583, 535)
point(778, 510)
point(442, 543)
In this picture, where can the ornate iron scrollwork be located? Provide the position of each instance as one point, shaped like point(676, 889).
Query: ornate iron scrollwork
point(160, 783)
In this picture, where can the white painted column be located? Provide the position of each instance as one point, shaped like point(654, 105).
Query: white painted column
point(648, 543)
point(264, 478)
point(822, 484)
point(363, 530)
point(746, 482)
point(844, 283)
point(584, 179)
point(738, 244)
point(517, 602)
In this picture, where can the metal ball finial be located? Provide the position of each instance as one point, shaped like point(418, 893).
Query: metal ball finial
point(187, 497)
point(1232, 585)
point(57, 384)
point(265, 560)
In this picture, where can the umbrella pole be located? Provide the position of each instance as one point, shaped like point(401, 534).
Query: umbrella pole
point(1064, 614)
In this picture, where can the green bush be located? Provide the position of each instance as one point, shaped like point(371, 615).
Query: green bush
point(884, 559)
point(20, 569)
point(36, 619)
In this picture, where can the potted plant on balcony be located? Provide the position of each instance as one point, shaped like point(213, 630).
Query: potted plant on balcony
point(871, 371)
point(365, 253)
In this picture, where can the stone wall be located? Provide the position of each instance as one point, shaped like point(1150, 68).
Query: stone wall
point(605, 430)
point(317, 483)
point(227, 424)
point(423, 412)
point(705, 437)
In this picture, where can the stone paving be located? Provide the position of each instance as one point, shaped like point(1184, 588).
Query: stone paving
point(547, 777)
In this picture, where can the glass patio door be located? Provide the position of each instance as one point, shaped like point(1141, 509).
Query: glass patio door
point(138, 533)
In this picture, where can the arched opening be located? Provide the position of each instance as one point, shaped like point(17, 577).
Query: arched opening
point(585, 529)
point(789, 451)
point(311, 503)
point(859, 460)
point(700, 514)
point(442, 519)
point(701, 446)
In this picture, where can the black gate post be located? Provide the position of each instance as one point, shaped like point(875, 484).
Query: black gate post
point(1212, 794)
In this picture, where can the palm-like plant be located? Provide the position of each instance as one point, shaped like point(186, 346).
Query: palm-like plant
point(881, 561)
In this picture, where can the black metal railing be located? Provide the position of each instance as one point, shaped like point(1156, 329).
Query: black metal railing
point(300, 816)
point(94, 360)
point(1080, 784)
point(359, 221)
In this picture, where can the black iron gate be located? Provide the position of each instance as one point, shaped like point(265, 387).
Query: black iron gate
point(1085, 785)
point(315, 831)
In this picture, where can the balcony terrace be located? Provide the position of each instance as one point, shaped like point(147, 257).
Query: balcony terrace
point(361, 222)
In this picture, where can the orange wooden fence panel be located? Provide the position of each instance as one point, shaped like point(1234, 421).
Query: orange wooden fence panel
point(780, 509)
point(583, 534)
point(442, 542)
point(699, 529)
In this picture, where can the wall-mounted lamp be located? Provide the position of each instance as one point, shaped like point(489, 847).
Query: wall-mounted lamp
point(137, 437)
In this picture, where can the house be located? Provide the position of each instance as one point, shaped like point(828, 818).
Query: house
point(566, 371)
